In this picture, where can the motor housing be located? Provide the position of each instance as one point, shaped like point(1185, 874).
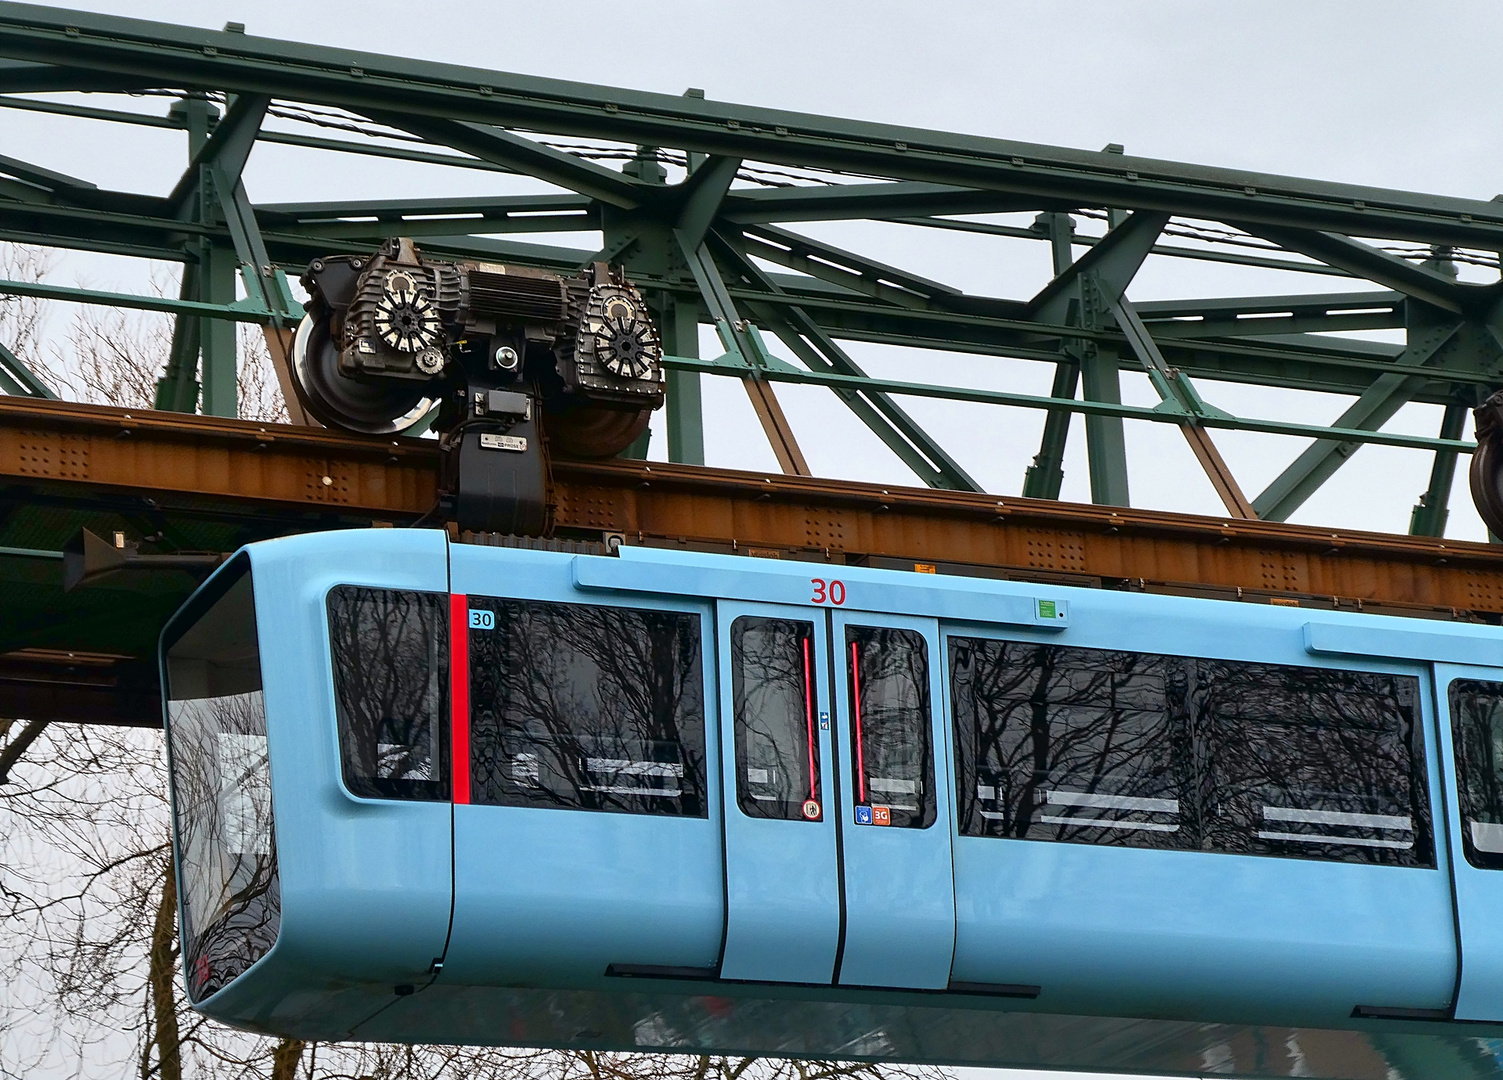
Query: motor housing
point(393, 342)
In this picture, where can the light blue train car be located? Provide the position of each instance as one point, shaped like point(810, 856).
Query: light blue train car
point(435, 792)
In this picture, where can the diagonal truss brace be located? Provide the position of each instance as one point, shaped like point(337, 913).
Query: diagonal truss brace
point(1176, 391)
point(523, 155)
point(17, 379)
point(1364, 261)
point(1373, 408)
point(744, 344)
point(887, 420)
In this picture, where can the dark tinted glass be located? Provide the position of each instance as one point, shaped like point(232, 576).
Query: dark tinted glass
point(594, 708)
point(1310, 762)
point(1065, 744)
point(1477, 730)
point(891, 740)
point(1094, 746)
point(777, 744)
point(221, 789)
point(390, 651)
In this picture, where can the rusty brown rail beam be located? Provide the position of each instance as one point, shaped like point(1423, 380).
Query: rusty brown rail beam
point(69, 451)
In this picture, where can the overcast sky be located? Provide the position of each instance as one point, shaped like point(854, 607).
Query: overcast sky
point(1377, 92)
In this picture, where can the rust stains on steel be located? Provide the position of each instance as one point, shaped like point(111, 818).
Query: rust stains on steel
point(188, 460)
point(48, 443)
point(653, 502)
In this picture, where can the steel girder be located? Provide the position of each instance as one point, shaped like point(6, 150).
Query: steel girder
point(700, 246)
point(137, 54)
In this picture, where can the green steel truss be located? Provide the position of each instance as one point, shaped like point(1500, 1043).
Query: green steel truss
point(712, 247)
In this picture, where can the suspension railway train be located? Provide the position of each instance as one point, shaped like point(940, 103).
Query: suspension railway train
point(435, 792)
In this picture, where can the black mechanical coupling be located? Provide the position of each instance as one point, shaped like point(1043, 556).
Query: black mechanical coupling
point(508, 364)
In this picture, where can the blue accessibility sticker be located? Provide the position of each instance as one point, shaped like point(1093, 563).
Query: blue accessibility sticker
point(863, 815)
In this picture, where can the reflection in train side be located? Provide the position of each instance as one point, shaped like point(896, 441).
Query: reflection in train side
point(1477, 733)
point(777, 751)
point(390, 652)
point(1141, 750)
point(891, 740)
point(216, 725)
point(587, 707)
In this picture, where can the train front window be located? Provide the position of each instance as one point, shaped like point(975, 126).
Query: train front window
point(777, 744)
point(1143, 750)
point(585, 707)
point(221, 785)
point(390, 653)
point(891, 742)
point(1477, 731)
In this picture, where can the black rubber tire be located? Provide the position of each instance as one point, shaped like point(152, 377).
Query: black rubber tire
point(593, 432)
point(363, 405)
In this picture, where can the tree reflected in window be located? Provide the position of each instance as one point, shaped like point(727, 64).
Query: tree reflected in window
point(587, 707)
point(891, 734)
point(777, 748)
point(221, 783)
point(1477, 731)
point(1132, 749)
point(390, 651)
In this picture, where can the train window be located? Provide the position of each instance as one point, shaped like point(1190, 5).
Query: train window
point(221, 784)
point(587, 707)
point(1477, 731)
point(390, 651)
point(1310, 762)
point(1140, 750)
point(777, 744)
point(1065, 744)
point(891, 734)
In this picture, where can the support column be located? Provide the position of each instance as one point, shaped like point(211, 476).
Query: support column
point(686, 428)
point(177, 389)
point(1106, 446)
point(1047, 473)
point(217, 337)
point(1429, 515)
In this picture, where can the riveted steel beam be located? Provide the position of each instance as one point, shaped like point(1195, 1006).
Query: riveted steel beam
point(1372, 409)
point(1047, 177)
point(884, 417)
point(523, 155)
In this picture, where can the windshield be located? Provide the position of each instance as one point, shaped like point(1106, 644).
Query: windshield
point(221, 784)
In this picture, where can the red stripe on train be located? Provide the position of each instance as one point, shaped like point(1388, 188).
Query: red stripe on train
point(459, 692)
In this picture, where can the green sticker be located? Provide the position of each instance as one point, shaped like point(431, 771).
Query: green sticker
point(1047, 610)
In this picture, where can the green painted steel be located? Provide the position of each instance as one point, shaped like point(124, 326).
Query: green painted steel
point(1430, 513)
point(17, 378)
point(732, 364)
point(723, 245)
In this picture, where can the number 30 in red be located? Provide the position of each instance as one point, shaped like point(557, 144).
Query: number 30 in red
point(827, 592)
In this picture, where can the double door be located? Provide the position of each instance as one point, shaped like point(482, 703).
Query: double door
point(837, 798)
